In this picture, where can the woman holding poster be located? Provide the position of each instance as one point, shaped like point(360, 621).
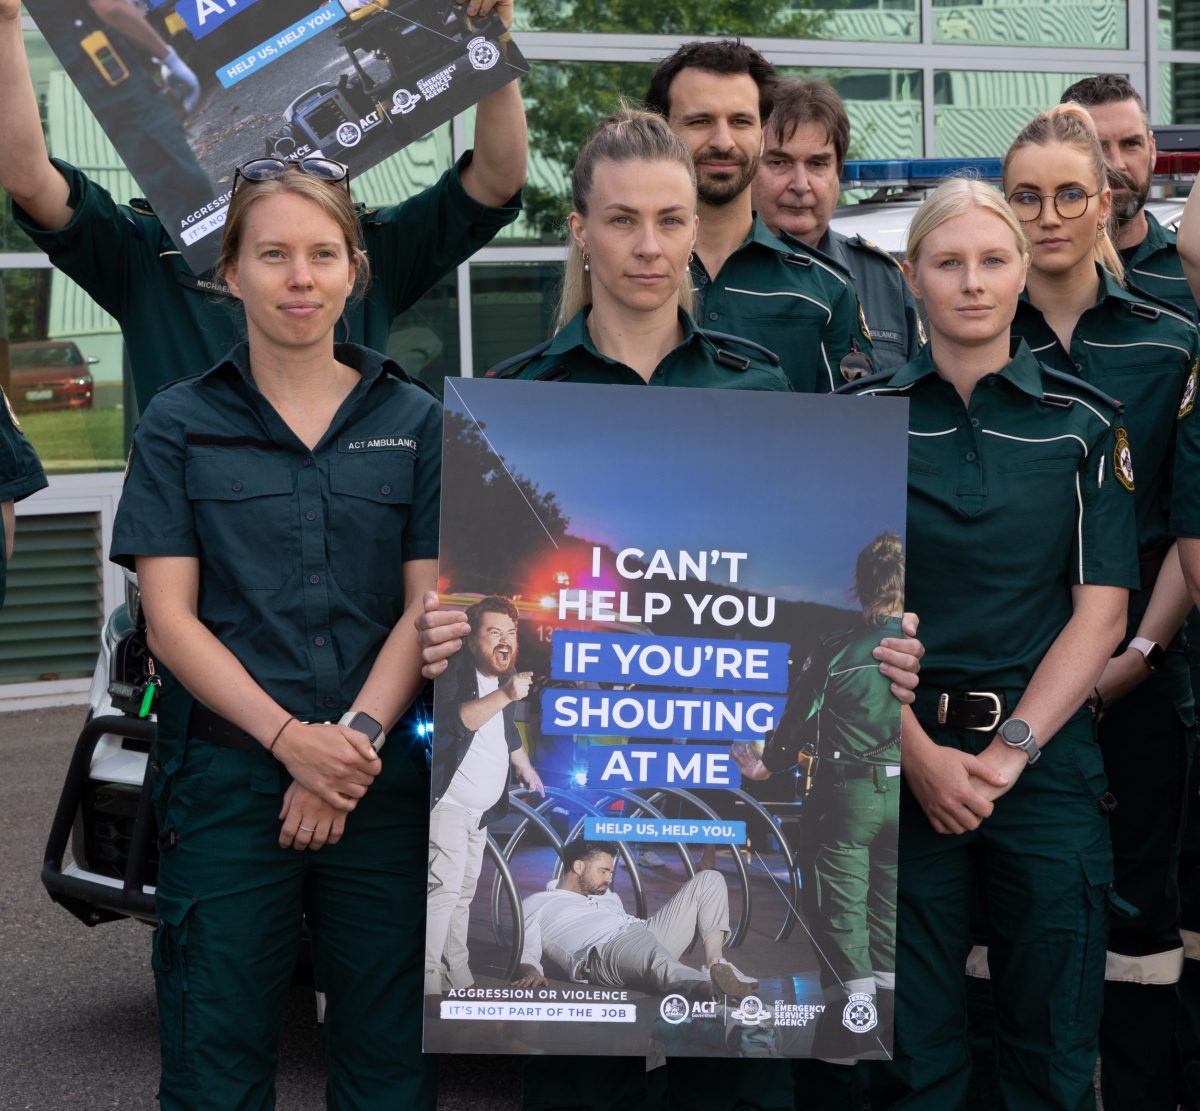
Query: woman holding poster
point(281, 513)
point(1021, 552)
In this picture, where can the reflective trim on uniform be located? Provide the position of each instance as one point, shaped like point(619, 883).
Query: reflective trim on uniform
point(977, 963)
point(1079, 524)
point(1153, 968)
point(946, 432)
point(1039, 439)
point(841, 277)
point(848, 670)
point(1079, 401)
point(785, 293)
point(1160, 277)
point(1143, 343)
point(1191, 944)
point(1160, 306)
point(828, 368)
point(1045, 346)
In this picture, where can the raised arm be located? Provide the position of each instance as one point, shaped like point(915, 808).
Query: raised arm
point(501, 137)
point(26, 172)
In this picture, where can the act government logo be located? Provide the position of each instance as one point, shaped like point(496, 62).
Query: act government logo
point(752, 1012)
point(674, 1009)
point(859, 1014)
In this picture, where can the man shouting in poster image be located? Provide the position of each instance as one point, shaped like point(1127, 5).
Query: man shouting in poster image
point(475, 714)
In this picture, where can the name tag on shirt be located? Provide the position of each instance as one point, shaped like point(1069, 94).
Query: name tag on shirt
point(378, 443)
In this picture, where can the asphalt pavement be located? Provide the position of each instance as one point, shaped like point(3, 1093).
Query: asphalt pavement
point(77, 1023)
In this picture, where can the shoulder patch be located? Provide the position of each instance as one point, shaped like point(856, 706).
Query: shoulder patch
point(10, 411)
point(1188, 401)
point(1123, 459)
point(510, 366)
point(719, 338)
point(1085, 389)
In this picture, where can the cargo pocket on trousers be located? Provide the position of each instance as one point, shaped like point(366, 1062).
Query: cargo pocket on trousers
point(169, 959)
point(1093, 934)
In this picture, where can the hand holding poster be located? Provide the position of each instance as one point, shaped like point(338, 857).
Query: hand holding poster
point(665, 652)
point(187, 90)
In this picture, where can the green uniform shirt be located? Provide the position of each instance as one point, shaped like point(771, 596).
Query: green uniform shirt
point(1140, 353)
point(21, 472)
point(173, 324)
point(1154, 268)
point(1012, 500)
point(699, 360)
point(888, 303)
point(840, 706)
point(790, 299)
point(301, 552)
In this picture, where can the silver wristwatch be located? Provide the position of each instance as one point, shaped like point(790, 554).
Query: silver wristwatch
point(364, 723)
point(1016, 733)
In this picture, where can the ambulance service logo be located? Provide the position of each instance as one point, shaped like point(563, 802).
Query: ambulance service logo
point(1123, 459)
point(859, 1014)
point(674, 1009)
point(1188, 402)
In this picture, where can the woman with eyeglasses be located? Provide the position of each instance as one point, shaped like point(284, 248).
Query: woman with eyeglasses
point(1079, 316)
point(1020, 555)
point(281, 513)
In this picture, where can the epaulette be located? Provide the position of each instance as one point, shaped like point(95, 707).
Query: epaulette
point(874, 248)
point(141, 206)
point(179, 381)
point(879, 378)
point(509, 366)
point(1081, 387)
point(390, 366)
point(717, 338)
point(1151, 307)
point(804, 255)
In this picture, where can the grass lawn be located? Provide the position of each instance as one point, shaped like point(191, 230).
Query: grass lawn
point(77, 439)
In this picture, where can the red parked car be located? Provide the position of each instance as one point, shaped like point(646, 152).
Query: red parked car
point(49, 374)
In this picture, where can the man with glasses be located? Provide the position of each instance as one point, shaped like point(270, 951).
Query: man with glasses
point(177, 323)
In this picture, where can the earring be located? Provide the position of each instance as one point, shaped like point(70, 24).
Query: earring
point(587, 263)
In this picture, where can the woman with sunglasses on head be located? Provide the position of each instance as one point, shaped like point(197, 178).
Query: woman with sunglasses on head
point(281, 513)
point(1020, 553)
point(1079, 317)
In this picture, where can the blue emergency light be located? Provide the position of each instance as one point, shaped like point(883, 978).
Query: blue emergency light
point(916, 173)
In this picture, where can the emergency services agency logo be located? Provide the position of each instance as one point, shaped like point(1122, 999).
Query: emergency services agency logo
point(1123, 459)
point(403, 102)
point(1188, 402)
point(752, 1012)
point(859, 1014)
point(482, 54)
point(674, 1009)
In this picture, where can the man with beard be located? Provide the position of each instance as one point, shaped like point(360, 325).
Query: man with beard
point(717, 96)
point(1147, 248)
point(796, 191)
point(475, 704)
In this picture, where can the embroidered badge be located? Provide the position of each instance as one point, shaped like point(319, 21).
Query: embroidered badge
point(921, 332)
point(862, 323)
point(1123, 459)
point(1188, 402)
point(12, 413)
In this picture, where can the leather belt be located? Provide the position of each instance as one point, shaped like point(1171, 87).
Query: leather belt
point(981, 711)
point(205, 725)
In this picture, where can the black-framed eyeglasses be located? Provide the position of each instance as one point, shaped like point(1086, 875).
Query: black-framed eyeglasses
point(267, 169)
point(1070, 203)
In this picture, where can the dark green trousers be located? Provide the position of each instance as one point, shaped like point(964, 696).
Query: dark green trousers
point(231, 904)
point(1044, 863)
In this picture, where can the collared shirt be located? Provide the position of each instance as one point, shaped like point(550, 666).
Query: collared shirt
point(1141, 354)
point(172, 322)
point(301, 551)
point(21, 472)
point(1155, 268)
point(789, 298)
point(888, 303)
point(699, 360)
point(1012, 500)
point(841, 704)
point(565, 925)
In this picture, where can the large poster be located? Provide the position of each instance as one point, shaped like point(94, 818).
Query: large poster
point(352, 80)
point(665, 765)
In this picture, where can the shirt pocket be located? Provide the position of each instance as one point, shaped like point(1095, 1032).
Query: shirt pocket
point(370, 502)
point(246, 518)
point(1040, 485)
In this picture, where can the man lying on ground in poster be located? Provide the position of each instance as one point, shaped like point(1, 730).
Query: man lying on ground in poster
point(580, 926)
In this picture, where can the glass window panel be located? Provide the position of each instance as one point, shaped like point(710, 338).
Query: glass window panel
point(887, 20)
point(1179, 93)
point(63, 371)
point(977, 115)
point(1081, 23)
point(1179, 24)
point(425, 340)
point(512, 308)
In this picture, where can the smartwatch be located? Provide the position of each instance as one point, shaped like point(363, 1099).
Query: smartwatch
point(1152, 653)
point(364, 723)
point(1016, 733)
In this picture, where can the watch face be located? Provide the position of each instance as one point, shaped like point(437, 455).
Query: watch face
point(1155, 657)
point(1015, 731)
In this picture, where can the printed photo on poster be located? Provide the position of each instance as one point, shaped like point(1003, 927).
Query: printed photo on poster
point(349, 80)
point(665, 765)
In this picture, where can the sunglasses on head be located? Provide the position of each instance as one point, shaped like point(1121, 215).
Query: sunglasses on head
point(267, 169)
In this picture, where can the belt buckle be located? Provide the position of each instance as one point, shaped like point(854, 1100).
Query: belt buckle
point(997, 710)
point(943, 707)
